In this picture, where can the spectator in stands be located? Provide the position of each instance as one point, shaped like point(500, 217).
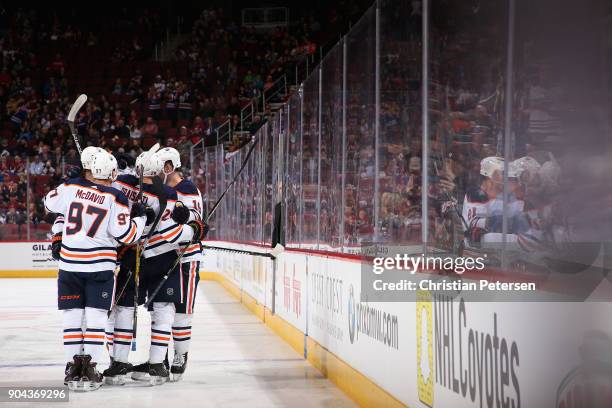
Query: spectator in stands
point(135, 132)
point(19, 166)
point(154, 102)
point(117, 88)
point(150, 128)
point(5, 165)
point(37, 166)
point(122, 130)
point(14, 217)
point(48, 169)
point(185, 106)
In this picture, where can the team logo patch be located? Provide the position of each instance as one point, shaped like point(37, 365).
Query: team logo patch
point(104, 295)
point(170, 291)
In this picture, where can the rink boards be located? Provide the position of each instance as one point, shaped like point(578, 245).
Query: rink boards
point(430, 353)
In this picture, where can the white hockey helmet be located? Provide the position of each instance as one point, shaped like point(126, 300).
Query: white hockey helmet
point(523, 164)
point(151, 164)
point(170, 154)
point(104, 166)
point(550, 174)
point(88, 155)
point(489, 165)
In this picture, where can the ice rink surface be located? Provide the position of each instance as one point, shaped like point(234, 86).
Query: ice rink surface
point(234, 361)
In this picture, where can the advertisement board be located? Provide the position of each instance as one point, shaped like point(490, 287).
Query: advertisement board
point(442, 350)
point(291, 284)
point(27, 256)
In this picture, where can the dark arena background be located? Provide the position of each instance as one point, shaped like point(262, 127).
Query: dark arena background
point(323, 136)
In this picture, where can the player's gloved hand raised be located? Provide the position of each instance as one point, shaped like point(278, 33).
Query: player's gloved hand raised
point(56, 246)
point(180, 214)
point(139, 210)
point(200, 229)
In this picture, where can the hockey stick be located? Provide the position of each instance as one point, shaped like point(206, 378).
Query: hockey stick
point(140, 172)
point(184, 250)
point(76, 106)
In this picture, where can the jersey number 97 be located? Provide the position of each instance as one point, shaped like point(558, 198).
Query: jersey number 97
point(77, 222)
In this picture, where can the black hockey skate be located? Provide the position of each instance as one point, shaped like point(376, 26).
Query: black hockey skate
point(140, 372)
point(179, 364)
point(90, 379)
point(158, 374)
point(73, 373)
point(115, 374)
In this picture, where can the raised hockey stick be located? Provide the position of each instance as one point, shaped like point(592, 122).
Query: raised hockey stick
point(76, 107)
point(140, 173)
point(178, 260)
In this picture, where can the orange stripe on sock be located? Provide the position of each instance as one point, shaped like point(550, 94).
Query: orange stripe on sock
point(73, 336)
point(181, 333)
point(160, 338)
point(121, 336)
point(93, 336)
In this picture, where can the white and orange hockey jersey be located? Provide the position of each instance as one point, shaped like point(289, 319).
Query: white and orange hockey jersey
point(190, 196)
point(168, 234)
point(96, 219)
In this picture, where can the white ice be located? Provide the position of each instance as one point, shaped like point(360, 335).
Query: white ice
point(234, 361)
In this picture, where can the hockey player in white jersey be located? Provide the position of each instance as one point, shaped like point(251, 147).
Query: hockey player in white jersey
point(87, 157)
point(477, 200)
point(159, 254)
point(190, 196)
point(97, 219)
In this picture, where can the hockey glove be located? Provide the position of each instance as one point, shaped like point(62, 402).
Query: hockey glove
point(138, 210)
point(56, 246)
point(200, 229)
point(150, 213)
point(180, 214)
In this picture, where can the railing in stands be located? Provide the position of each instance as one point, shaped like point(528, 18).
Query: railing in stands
point(224, 131)
point(246, 115)
point(276, 92)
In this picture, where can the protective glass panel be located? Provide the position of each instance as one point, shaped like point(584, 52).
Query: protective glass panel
point(466, 127)
point(331, 150)
point(269, 169)
point(559, 144)
point(310, 155)
point(360, 161)
point(399, 147)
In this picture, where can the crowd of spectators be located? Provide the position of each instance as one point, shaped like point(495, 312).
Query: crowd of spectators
point(47, 58)
point(385, 175)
